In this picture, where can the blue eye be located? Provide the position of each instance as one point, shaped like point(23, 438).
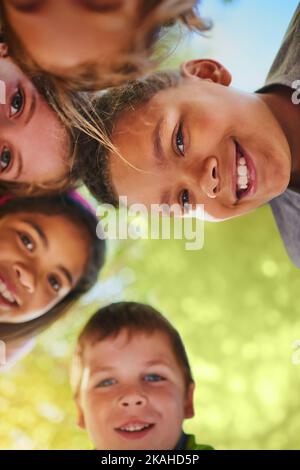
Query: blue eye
point(106, 383)
point(155, 376)
point(5, 159)
point(17, 103)
point(54, 283)
point(180, 140)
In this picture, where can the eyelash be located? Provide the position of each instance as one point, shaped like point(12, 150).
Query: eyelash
point(19, 94)
point(180, 140)
point(6, 152)
point(26, 240)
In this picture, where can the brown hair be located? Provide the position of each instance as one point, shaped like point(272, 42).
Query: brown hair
point(68, 206)
point(92, 158)
point(154, 17)
point(134, 318)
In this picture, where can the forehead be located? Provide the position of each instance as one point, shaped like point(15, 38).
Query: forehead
point(139, 348)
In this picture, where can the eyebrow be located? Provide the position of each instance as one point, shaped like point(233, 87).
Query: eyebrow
point(31, 6)
point(45, 242)
point(155, 362)
point(158, 150)
point(94, 5)
point(31, 108)
point(19, 162)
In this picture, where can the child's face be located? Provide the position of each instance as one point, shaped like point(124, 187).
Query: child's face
point(133, 383)
point(33, 143)
point(184, 140)
point(63, 34)
point(37, 267)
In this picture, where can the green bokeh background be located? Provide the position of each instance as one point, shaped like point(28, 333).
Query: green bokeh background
point(236, 305)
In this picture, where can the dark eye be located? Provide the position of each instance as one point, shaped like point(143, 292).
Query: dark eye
point(27, 242)
point(54, 283)
point(106, 383)
point(184, 199)
point(180, 141)
point(5, 159)
point(154, 377)
point(16, 103)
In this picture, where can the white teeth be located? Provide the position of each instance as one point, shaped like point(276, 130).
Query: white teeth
point(242, 174)
point(135, 427)
point(242, 180)
point(5, 293)
point(242, 170)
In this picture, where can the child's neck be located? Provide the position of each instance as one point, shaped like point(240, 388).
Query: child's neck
point(279, 100)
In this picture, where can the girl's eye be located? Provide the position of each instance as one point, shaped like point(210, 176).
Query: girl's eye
point(154, 377)
point(5, 159)
point(106, 383)
point(180, 141)
point(27, 242)
point(54, 283)
point(17, 103)
point(184, 199)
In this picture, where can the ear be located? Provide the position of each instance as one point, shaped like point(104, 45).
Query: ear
point(189, 411)
point(206, 69)
point(80, 415)
point(3, 49)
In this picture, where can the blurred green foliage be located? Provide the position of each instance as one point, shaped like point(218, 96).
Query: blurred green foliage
point(235, 303)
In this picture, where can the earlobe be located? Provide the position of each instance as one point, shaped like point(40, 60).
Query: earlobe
point(3, 49)
point(206, 69)
point(189, 411)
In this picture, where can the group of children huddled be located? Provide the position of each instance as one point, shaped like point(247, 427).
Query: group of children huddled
point(82, 105)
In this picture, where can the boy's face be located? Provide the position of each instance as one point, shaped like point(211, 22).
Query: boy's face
point(187, 140)
point(133, 393)
point(67, 33)
point(37, 268)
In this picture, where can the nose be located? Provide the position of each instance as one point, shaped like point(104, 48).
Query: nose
point(209, 179)
point(25, 277)
point(132, 399)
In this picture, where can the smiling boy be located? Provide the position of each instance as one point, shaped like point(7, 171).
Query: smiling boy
point(189, 138)
point(132, 381)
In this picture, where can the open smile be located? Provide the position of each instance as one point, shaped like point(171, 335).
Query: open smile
point(135, 429)
point(8, 297)
point(244, 177)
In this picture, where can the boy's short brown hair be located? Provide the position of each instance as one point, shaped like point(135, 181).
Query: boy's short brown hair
point(133, 317)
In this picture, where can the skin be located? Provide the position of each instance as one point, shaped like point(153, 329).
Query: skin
point(200, 120)
point(35, 263)
point(29, 152)
point(132, 389)
point(65, 34)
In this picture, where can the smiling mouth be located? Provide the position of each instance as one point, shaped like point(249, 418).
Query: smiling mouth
point(245, 173)
point(7, 297)
point(135, 430)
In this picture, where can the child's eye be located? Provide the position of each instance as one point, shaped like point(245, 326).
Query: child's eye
point(184, 199)
point(54, 283)
point(17, 102)
point(180, 140)
point(106, 383)
point(154, 377)
point(27, 242)
point(5, 159)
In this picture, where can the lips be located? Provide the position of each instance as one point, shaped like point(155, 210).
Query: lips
point(134, 429)
point(240, 151)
